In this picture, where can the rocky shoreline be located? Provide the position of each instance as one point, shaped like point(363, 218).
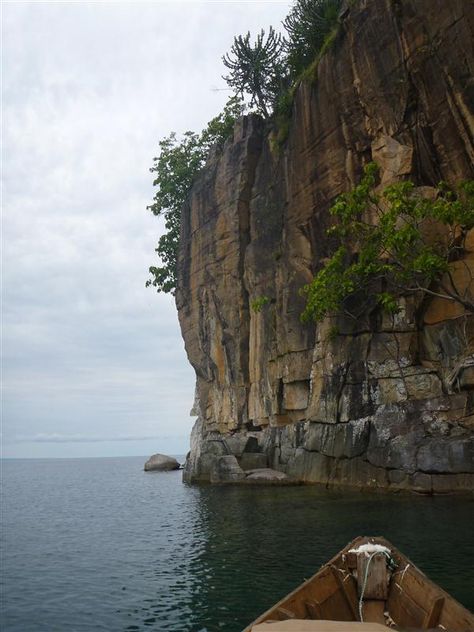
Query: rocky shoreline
point(383, 402)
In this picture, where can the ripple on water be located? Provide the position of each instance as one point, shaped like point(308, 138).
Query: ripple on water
point(97, 544)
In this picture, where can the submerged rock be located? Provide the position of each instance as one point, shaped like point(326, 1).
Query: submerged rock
point(161, 463)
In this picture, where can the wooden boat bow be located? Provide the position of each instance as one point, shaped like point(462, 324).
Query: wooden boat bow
point(369, 586)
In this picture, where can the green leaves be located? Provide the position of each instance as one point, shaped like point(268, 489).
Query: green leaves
point(256, 69)
point(388, 302)
point(395, 239)
point(259, 303)
point(308, 25)
point(268, 68)
point(328, 288)
point(175, 169)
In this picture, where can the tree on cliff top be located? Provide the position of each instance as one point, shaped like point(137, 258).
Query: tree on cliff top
point(263, 70)
point(308, 25)
point(391, 243)
point(175, 167)
point(256, 69)
point(266, 69)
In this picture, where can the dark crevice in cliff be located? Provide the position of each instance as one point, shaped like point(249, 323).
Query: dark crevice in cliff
point(254, 148)
point(376, 393)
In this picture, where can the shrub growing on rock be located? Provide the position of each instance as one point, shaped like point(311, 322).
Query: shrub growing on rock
point(175, 168)
point(393, 242)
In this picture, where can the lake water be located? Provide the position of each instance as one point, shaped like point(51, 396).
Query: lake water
point(97, 544)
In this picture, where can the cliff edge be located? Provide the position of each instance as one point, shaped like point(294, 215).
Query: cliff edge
point(386, 402)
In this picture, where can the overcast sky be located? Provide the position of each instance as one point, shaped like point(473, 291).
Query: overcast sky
point(94, 363)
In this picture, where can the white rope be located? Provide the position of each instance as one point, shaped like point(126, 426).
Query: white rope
point(364, 584)
point(366, 575)
point(403, 573)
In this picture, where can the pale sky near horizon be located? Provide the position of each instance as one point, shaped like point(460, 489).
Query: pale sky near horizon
point(93, 363)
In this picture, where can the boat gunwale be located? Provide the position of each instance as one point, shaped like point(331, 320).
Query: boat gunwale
point(359, 540)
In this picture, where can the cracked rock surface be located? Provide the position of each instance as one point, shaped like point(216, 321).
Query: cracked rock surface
point(386, 402)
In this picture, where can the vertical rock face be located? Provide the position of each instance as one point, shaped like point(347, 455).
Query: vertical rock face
point(385, 402)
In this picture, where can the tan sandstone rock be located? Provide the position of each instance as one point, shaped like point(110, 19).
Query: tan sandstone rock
point(381, 402)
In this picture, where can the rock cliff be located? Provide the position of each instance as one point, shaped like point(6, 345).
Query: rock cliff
point(388, 402)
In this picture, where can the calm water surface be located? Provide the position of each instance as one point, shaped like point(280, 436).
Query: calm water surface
point(97, 544)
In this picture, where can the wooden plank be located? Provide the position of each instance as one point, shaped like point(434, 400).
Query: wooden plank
point(423, 592)
point(336, 609)
point(344, 590)
point(372, 611)
point(351, 560)
point(433, 616)
point(284, 614)
point(321, 626)
point(313, 608)
point(408, 579)
point(403, 610)
point(376, 586)
point(324, 586)
point(411, 595)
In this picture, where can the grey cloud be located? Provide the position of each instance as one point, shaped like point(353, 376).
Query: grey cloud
point(59, 438)
point(89, 89)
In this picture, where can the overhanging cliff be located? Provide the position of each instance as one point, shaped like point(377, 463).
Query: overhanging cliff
point(385, 402)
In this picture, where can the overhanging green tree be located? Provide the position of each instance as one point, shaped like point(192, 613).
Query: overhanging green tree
point(393, 242)
point(175, 168)
point(264, 70)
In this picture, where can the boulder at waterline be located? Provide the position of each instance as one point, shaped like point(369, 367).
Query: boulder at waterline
point(226, 469)
point(161, 463)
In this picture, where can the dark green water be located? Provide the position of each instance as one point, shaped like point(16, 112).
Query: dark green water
point(97, 544)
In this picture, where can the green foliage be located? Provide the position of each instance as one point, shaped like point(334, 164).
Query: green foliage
point(308, 25)
point(388, 302)
point(382, 243)
point(267, 70)
point(284, 100)
point(256, 69)
point(282, 117)
point(270, 69)
point(259, 303)
point(175, 168)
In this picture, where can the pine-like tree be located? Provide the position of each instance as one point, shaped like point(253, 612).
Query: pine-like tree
point(308, 24)
point(256, 69)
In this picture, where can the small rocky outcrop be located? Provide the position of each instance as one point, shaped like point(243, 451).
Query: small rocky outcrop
point(226, 469)
point(161, 463)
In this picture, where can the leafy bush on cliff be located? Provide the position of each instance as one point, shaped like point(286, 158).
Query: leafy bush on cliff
point(391, 243)
point(176, 167)
point(267, 71)
point(308, 25)
point(259, 303)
